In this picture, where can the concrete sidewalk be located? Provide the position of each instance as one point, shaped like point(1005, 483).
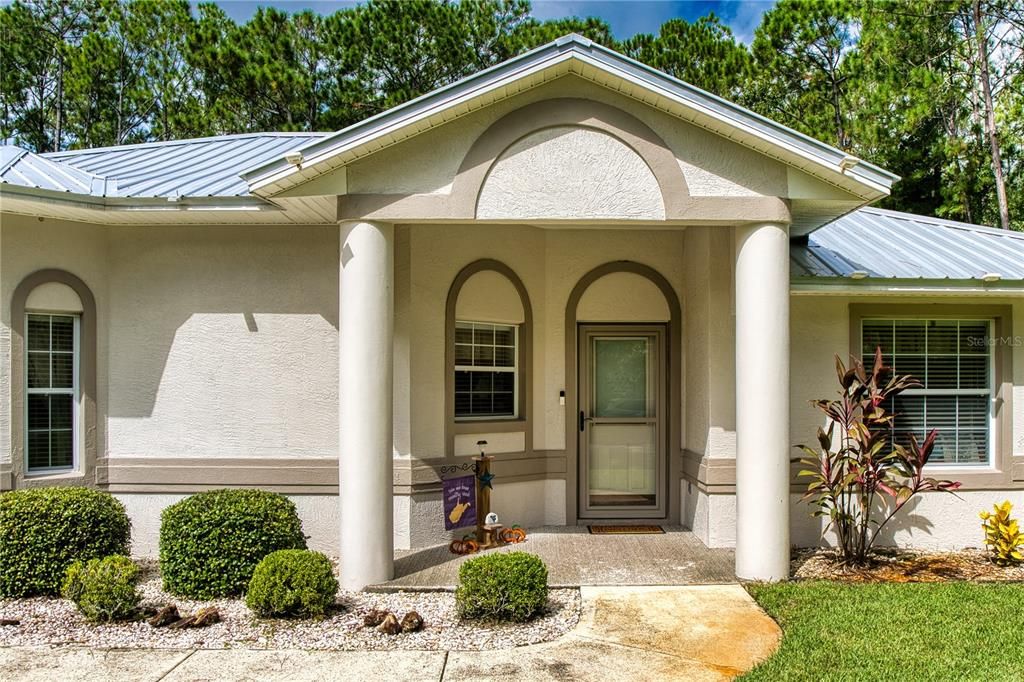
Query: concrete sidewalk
point(708, 632)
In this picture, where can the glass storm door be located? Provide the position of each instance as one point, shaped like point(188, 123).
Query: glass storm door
point(621, 415)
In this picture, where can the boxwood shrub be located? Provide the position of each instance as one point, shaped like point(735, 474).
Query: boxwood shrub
point(44, 530)
point(509, 586)
point(292, 582)
point(211, 542)
point(103, 589)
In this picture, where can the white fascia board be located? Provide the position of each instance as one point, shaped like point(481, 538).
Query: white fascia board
point(324, 150)
point(156, 204)
point(843, 287)
point(816, 153)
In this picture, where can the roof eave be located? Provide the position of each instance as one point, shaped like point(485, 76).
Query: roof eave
point(876, 181)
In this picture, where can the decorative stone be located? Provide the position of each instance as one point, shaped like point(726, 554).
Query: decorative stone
point(375, 617)
point(390, 626)
point(165, 616)
point(203, 617)
point(412, 622)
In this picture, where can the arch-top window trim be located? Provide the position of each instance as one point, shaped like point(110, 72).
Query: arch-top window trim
point(55, 429)
point(85, 464)
point(524, 362)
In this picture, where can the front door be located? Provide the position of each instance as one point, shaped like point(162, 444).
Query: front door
point(621, 421)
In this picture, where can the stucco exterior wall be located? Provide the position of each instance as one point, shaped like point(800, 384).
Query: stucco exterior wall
point(566, 172)
point(212, 342)
point(711, 165)
point(550, 263)
point(29, 244)
point(223, 342)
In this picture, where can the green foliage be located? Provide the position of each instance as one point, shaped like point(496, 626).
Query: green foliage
point(45, 530)
point(103, 589)
point(292, 582)
point(1002, 535)
point(860, 478)
point(926, 632)
point(211, 542)
point(900, 83)
point(703, 53)
point(509, 586)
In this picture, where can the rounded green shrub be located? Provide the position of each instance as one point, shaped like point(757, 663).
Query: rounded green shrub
point(292, 582)
point(502, 586)
point(103, 589)
point(211, 542)
point(45, 530)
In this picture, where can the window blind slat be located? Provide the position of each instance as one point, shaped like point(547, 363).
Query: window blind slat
point(951, 358)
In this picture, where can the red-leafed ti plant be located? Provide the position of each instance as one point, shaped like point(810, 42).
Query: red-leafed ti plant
point(860, 478)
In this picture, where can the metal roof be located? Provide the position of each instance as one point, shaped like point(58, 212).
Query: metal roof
point(203, 167)
point(706, 109)
point(21, 167)
point(892, 245)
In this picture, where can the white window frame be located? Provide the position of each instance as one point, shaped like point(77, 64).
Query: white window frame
point(990, 392)
point(514, 369)
point(77, 413)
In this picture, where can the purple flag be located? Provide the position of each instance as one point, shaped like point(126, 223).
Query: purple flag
point(459, 495)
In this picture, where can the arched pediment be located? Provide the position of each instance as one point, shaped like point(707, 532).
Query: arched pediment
point(569, 159)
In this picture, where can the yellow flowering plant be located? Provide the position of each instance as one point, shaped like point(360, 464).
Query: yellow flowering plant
point(1002, 535)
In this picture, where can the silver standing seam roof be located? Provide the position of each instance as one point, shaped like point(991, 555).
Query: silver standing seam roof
point(202, 167)
point(889, 245)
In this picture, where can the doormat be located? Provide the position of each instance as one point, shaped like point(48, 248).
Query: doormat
point(626, 530)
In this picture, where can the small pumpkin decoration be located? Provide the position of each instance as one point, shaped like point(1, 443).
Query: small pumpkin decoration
point(513, 535)
point(467, 545)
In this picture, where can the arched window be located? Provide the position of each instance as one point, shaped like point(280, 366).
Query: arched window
point(53, 376)
point(489, 333)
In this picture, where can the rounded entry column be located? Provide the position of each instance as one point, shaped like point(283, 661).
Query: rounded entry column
point(762, 402)
point(365, 386)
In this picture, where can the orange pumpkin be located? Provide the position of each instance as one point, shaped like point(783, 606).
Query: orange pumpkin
point(464, 546)
point(513, 535)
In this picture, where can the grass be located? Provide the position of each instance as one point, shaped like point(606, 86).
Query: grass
point(885, 631)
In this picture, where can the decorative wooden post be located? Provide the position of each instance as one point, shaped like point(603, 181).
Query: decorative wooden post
point(486, 534)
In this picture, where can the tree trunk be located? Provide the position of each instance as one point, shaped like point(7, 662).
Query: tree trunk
point(990, 116)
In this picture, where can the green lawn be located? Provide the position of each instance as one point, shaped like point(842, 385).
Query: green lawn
point(905, 632)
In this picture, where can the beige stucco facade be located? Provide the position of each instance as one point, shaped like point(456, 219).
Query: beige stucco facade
point(217, 346)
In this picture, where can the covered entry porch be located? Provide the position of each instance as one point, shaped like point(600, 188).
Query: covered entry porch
point(576, 558)
point(646, 361)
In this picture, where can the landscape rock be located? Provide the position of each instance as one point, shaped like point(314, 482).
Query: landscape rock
point(200, 619)
point(390, 626)
point(165, 616)
point(412, 622)
point(375, 617)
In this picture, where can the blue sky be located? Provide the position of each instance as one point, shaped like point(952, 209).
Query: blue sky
point(626, 17)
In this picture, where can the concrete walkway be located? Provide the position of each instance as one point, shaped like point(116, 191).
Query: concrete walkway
point(574, 557)
point(709, 632)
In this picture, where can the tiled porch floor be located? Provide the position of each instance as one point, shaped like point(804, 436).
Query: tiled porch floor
point(575, 557)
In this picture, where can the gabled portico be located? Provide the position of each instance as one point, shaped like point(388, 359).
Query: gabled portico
point(614, 235)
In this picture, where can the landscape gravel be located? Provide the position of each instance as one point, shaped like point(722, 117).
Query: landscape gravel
point(50, 621)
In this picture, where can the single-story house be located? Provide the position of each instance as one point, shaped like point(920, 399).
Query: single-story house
point(629, 288)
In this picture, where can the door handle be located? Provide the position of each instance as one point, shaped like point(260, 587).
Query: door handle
point(583, 420)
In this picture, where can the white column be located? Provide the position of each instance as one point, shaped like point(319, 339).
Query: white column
point(762, 402)
point(365, 388)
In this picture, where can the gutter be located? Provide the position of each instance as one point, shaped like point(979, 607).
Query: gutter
point(147, 204)
point(814, 286)
point(577, 47)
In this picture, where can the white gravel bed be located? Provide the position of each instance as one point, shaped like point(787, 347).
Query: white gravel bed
point(49, 621)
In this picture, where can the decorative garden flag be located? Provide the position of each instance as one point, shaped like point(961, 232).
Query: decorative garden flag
point(459, 502)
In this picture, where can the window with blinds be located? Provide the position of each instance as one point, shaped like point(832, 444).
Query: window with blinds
point(486, 376)
point(953, 361)
point(52, 386)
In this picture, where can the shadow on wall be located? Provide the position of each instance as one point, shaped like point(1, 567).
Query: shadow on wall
point(239, 310)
